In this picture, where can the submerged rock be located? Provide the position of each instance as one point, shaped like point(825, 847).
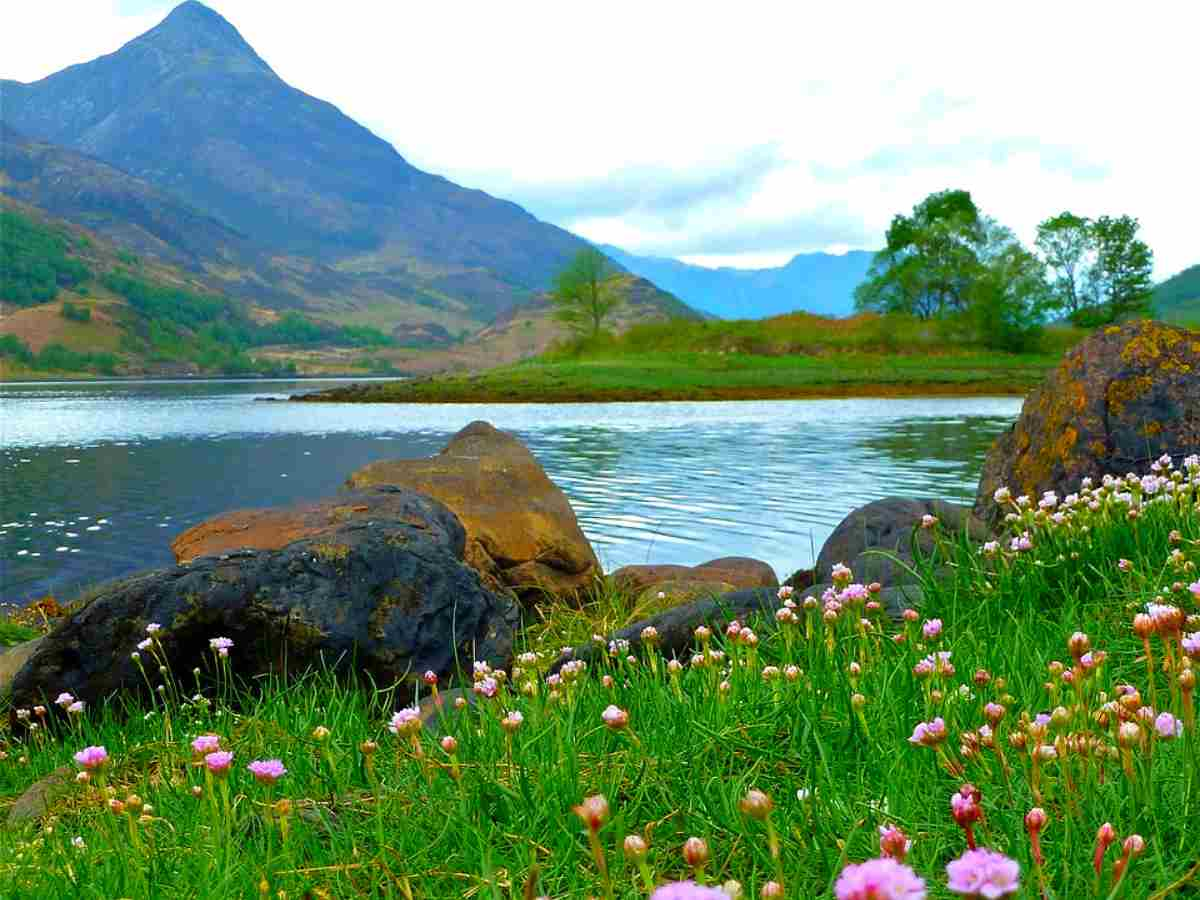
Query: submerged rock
point(376, 586)
point(1119, 400)
point(868, 538)
point(522, 534)
point(736, 571)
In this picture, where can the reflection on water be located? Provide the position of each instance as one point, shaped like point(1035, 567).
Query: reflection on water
point(95, 479)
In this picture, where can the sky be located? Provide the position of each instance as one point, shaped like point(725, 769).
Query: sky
point(737, 134)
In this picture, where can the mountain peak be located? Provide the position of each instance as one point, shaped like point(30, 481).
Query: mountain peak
point(195, 32)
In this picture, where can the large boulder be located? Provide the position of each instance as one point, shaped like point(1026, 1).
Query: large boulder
point(376, 586)
point(522, 534)
point(873, 537)
point(1119, 400)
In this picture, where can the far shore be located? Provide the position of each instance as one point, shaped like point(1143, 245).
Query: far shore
point(701, 376)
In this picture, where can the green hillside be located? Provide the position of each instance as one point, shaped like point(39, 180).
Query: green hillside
point(71, 302)
point(1178, 298)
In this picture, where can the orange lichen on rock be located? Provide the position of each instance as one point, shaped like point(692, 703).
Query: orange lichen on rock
point(1126, 395)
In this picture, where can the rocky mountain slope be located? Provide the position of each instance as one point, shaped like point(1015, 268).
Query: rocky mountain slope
point(185, 143)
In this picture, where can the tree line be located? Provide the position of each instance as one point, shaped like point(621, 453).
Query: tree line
point(948, 261)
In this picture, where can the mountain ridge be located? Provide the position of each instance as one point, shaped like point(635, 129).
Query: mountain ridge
point(820, 283)
point(333, 219)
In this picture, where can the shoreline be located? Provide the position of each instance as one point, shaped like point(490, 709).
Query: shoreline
point(879, 390)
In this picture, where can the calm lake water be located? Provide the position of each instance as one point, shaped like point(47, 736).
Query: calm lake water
point(95, 479)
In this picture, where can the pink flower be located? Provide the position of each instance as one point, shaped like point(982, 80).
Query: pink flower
point(1191, 642)
point(218, 762)
point(931, 629)
point(267, 771)
point(687, 890)
point(893, 842)
point(220, 645)
point(1194, 587)
point(879, 879)
point(405, 721)
point(92, 757)
point(930, 733)
point(1168, 726)
point(615, 717)
point(486, 687)
point(983, 873)
point(64, 700)
point(205, 744)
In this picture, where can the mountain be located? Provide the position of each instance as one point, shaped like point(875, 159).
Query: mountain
point(1178, 298)
point(264, 189)
point(819, 283)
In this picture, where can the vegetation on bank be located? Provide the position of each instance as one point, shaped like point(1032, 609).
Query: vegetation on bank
point(798, 355)
point(947, 260)
point(1039, 705)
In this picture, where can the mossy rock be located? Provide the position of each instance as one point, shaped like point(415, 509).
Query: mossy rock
point(1122, 398)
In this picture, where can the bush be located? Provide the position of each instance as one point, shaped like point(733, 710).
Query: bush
point(76, 313)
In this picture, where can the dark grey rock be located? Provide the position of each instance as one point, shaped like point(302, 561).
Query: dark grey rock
point(869, 538)
point(383, 593)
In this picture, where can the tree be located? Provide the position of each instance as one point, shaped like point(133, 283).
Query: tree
point(1123, 266)
point(583, 294)
point(930, 260)
point(1067, 245)
point(1102, 270)
point(1009, 295)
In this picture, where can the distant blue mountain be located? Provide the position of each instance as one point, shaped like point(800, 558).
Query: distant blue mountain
point(819, 283)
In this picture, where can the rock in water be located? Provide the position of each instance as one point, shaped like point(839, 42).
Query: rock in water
point(379, 588)
point(522, 534)
point(736, 571)
point(1119, 400)
point(868, 538)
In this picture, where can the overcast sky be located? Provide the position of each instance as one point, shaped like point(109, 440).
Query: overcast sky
point(737, 133)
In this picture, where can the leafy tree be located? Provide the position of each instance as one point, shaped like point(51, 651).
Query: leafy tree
point(1102, 270)
point(930, 260)
point(1009, 295)
point(1122, 275)
point(583, 295)
point(1067, 244)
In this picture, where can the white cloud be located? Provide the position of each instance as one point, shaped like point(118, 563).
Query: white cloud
point(1033, 106)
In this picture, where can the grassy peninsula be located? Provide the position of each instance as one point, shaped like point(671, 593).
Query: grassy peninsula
point(791, 356)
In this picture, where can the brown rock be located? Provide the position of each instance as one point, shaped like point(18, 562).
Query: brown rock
point(736, 571)
point(12, 659)
point(1119, 400)
point(39, 796)
point(521, 531)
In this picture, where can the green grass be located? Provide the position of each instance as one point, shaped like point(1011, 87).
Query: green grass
point(791, 356)
point(402, 824)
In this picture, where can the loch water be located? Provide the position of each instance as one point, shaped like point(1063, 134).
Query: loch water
point(96, 478)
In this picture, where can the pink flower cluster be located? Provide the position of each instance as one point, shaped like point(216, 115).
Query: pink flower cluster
point(879, 879)
point(267, 771)
point(983, 873)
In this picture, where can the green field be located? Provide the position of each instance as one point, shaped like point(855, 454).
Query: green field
point(1037, 692)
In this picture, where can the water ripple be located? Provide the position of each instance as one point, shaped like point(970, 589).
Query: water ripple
point(666, 482)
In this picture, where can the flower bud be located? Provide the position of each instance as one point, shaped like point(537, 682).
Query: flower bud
point(771, 889)
point(593, 811)
point(695, 852)
point(756, 804)
point(635, 847)
point(449, 745)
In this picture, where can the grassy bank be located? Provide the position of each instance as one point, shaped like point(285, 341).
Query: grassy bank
point(791, 356)
point(820, 714)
